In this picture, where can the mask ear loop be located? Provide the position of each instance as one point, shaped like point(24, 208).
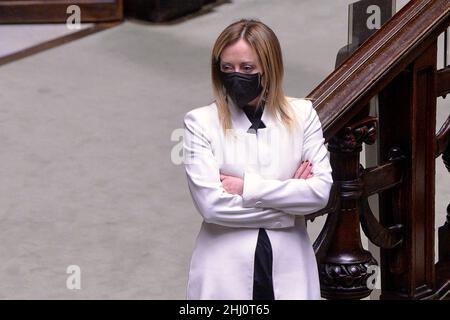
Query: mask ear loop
point(262, 99)
point(225, 93)
point(224, 90)
point(264, 96)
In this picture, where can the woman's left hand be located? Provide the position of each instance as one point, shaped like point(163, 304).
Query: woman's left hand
point(231, 184)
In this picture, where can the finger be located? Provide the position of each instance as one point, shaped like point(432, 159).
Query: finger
point(297, 172)
point(300, 169)
point(222, 176)
point(306, 172)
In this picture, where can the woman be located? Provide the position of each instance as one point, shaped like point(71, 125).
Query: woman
point(255, 163)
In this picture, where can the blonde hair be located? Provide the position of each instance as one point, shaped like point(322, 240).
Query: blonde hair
point(267, 47)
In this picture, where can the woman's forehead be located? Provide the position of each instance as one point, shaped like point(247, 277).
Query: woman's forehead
point(239, 52)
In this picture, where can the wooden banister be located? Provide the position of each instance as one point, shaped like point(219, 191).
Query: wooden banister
point(398, 65)
point(341, 95)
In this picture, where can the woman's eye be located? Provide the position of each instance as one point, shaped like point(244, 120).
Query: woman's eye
point(248, 68)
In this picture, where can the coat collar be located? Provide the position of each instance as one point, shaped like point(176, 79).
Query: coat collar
point(240, 119)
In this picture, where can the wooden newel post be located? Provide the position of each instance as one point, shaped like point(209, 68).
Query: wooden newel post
point(344, 266)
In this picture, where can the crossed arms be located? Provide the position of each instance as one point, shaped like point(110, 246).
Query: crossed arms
point(264, 203)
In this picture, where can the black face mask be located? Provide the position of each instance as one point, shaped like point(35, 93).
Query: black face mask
point(241, 87)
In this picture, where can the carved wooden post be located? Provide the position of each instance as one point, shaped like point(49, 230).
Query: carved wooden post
point(407, 119)
point(343, 262)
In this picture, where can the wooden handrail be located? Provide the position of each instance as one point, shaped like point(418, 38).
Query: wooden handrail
point(397, 63)
point(341, 95)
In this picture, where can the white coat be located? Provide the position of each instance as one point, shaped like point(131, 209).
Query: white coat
point(222, 263)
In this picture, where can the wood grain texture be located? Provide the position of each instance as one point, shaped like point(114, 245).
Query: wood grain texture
point(341, 95)
point(397, 63)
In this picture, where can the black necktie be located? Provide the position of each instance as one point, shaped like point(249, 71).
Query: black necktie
point(262, 277)
point(254, 115)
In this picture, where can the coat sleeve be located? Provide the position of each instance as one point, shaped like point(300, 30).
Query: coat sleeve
point(210, 198)
point(296, 196)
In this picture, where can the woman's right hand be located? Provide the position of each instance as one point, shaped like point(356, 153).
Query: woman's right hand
point(304, 171)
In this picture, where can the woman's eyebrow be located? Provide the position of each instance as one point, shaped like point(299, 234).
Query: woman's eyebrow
point(244, 62)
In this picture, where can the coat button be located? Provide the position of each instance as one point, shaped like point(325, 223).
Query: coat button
point(258, 203)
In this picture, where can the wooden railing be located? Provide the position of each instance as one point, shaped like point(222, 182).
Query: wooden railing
point(398, 65)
